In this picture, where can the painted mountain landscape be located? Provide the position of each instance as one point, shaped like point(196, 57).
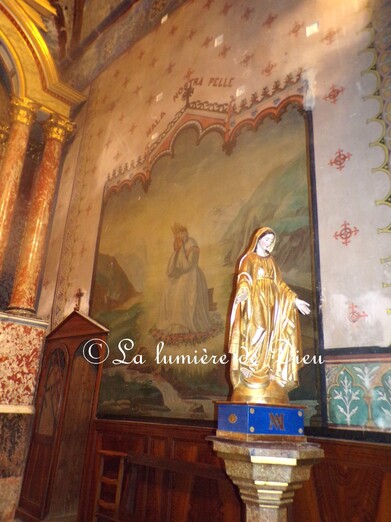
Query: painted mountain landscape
point(197, 190)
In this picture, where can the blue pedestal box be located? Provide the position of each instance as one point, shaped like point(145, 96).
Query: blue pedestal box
point(247, 421)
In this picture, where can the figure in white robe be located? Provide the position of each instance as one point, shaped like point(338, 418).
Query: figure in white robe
point(184, 306)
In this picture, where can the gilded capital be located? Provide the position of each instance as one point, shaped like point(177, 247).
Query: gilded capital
point(23, 110)
point(4, 132)
point(57, 128)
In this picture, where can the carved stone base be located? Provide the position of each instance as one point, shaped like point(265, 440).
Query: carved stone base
point(267, 473)
point(14, 435)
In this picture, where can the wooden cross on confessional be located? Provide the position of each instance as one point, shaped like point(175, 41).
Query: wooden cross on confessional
point(78, 297)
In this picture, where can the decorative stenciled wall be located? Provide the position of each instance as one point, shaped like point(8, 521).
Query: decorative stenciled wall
point(228, 51)
point(359, 385)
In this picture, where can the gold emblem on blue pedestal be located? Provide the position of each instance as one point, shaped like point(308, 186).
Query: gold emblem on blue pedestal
point(246, 421)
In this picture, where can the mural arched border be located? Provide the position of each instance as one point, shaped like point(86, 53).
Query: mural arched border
point(127, 175)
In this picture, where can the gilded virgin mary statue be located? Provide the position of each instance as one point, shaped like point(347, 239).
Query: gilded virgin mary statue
point(264, 340)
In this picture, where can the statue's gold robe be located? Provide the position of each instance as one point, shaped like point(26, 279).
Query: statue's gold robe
point(264, 340)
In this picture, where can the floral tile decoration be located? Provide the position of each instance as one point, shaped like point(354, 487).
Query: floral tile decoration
point(359, 395)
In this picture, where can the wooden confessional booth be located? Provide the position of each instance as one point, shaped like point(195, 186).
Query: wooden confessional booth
point(64, 410)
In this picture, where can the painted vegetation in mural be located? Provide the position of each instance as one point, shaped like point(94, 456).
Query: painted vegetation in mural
point(166, 261)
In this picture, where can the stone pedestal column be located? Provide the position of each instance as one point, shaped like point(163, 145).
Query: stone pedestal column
point(22, 116)
point(267, 473)
point(15, 427)
point(33, 245)
point(20, 352)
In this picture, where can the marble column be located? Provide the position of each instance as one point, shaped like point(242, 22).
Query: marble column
point(4, 133)
point(22, 116)
point(267, 474)
point(29, 266)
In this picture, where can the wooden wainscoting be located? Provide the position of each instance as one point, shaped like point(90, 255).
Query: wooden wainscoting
point(173, 475)
point(351, 484)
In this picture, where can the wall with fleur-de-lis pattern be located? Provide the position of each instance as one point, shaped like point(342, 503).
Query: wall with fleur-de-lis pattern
point(230, 52)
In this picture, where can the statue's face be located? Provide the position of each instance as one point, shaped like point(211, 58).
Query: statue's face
point(265, 242)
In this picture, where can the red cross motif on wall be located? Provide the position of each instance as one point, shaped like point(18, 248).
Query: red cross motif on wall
point(340, 159)
point(330, 36)
point(334, 93)
point(267, 70)
point(269, 20)
point(346, 233)
point(296, 28)
point(354, 315)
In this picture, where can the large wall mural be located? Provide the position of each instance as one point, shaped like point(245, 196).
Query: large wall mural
point(244, 58)
point(166, 260)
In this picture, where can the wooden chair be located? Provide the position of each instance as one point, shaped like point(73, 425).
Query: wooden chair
point(110, 476)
